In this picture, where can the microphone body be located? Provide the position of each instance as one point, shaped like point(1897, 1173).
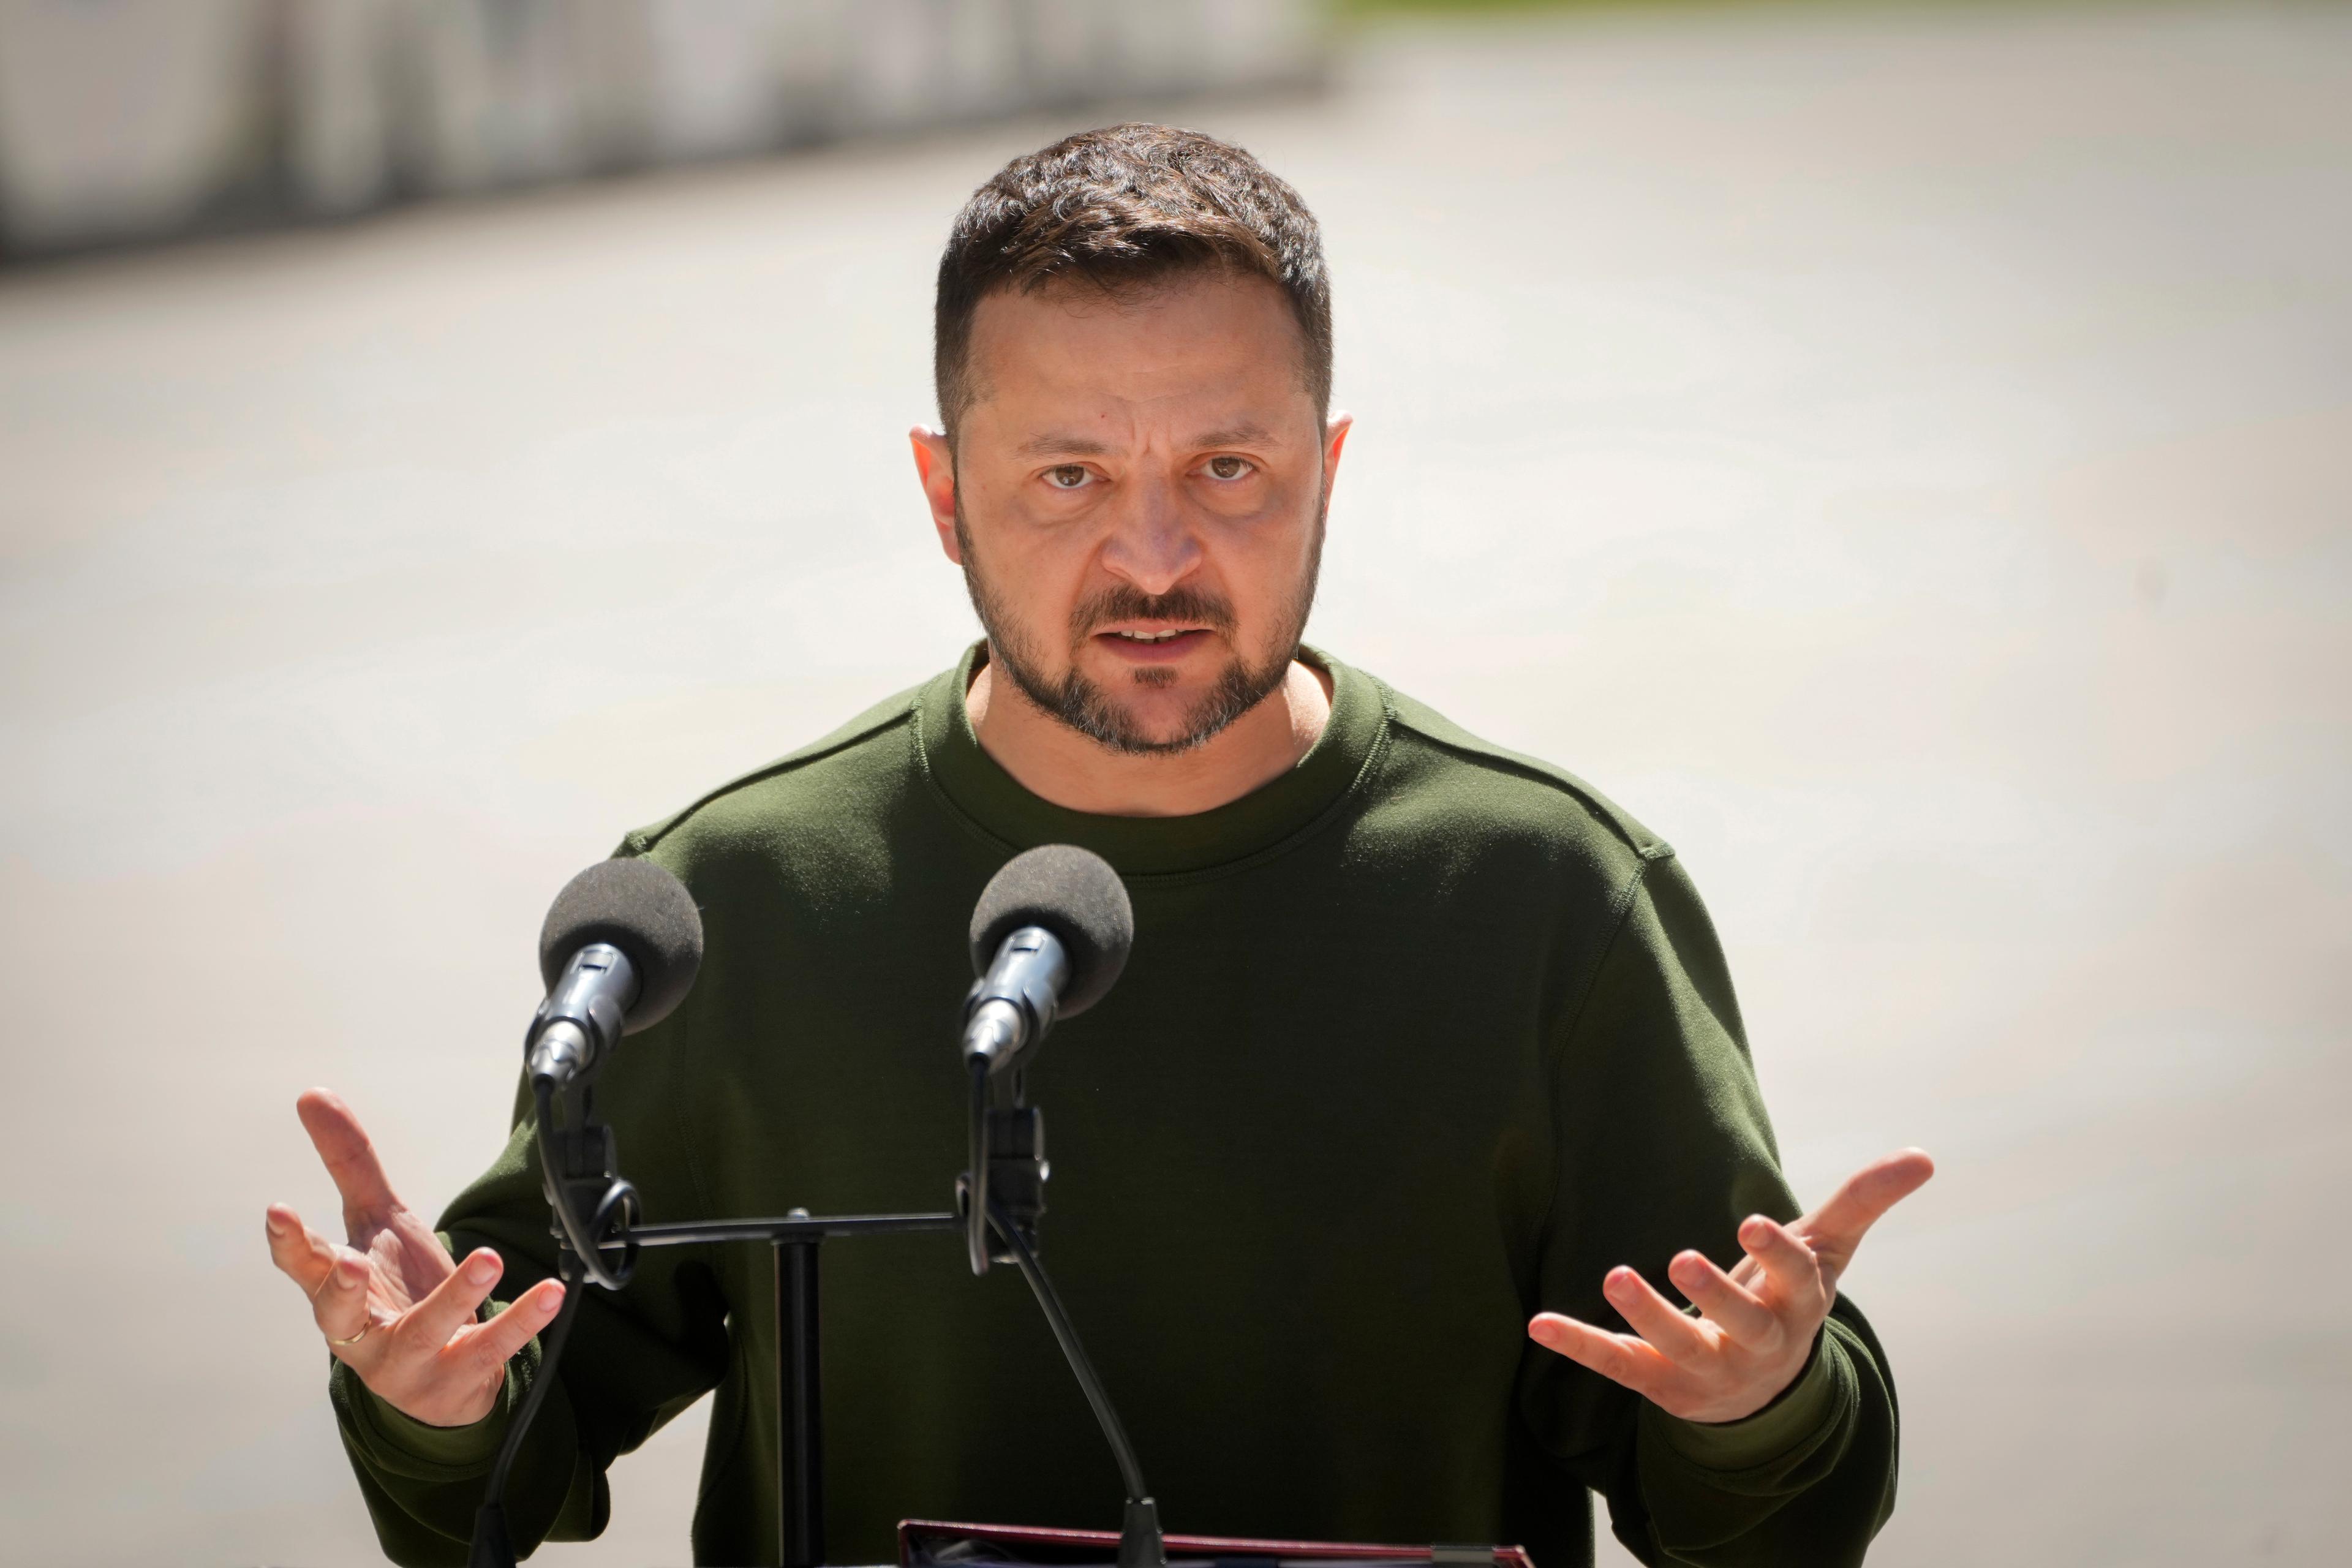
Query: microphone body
point(584, 1016)
point(1011, 1007)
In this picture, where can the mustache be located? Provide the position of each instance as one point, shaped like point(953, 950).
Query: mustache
point(1126, 602)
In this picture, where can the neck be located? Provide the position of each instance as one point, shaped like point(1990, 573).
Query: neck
point(1057, 763)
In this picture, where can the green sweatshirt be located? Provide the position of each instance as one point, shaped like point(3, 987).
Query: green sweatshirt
point(1417, 1040)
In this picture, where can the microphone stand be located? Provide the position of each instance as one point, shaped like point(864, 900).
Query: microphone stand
point(577, 1163)
point(1140, 1543)
point(1006, 1185)
point(579, 1167)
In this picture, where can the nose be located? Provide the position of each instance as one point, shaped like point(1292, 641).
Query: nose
point(1150, 544)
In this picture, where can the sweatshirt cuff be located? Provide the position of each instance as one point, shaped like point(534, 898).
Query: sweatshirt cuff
point(1798, 1411)
point(444, 1447)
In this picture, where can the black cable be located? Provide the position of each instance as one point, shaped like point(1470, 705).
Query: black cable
point(578, 1259)
point(492, 1547)
point(976, 1204)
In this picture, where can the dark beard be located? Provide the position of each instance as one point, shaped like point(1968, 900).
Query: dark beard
point(1084, 707)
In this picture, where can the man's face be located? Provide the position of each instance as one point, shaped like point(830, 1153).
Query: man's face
point(1135, 497)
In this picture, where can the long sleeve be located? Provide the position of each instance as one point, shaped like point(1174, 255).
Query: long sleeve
point(1662, 1143)
point(635, 1360)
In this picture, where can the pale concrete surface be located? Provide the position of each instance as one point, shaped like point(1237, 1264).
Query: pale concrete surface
point(1900, 456)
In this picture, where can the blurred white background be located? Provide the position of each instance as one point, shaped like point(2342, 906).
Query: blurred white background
point(1898, 452)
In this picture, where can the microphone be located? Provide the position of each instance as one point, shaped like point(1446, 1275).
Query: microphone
point(1051, 933)
point(618, 951)
point(1049, 936)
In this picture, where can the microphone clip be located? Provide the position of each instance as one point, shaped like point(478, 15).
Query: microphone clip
point(1015, 1152)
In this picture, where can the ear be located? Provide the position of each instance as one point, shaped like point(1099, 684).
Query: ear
point(935, 466)
point(1335, 439)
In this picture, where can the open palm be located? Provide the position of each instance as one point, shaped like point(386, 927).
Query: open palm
point(393, 1303)
point(1755, 1324)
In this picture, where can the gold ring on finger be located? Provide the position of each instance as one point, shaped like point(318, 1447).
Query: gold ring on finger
point(355, 1338)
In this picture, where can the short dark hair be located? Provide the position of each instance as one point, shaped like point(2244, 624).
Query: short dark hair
point(1120, 208)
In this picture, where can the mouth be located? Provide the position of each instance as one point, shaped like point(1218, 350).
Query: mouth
point(1149, 643)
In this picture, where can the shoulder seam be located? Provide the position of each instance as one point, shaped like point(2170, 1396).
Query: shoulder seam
point(1502, 761)
point(645, 838)
point(1620, 915)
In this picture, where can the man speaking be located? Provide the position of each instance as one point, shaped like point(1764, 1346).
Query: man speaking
point(1414, 1182)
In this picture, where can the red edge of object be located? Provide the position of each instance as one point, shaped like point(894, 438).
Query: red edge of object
point(1191, 1545)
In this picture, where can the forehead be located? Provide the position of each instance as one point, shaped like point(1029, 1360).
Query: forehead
point(1207, 344)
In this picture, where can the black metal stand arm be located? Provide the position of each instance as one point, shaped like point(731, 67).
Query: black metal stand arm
point(598, 1241)
point(800, 1392)
point(1140, 1543)
point(1004, 1194)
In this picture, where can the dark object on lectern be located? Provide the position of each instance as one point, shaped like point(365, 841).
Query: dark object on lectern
point(935, 1543)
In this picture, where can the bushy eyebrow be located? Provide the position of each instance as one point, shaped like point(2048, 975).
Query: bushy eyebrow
point(1064, 444)
point(1059, 444)
point(1243, 435)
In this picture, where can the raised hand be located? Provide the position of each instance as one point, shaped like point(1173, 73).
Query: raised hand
point(1756, 1323)
point(392, 1304)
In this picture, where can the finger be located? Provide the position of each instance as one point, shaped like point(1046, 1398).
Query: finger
point(1792, 1272)
point(301, 1254)
point(343, 1145)
point(1863, 1198)
point(1617, 1357)
point(451, 1304)
point(1653, 1317)
point(1749, 1321)
point(341, 1308)
point(492, 1343)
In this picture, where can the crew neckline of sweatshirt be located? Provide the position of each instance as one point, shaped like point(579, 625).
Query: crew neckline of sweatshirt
point(1277, 811)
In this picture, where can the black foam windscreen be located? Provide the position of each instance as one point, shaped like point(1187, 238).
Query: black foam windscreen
point(640, 909)
point(1073, 893)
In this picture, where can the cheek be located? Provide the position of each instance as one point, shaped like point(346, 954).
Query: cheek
point(1267, 546)
point(1033, 573)
point(1042, 560)
point(1260, 571)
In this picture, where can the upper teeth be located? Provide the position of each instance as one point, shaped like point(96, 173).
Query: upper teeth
point(1151, 636)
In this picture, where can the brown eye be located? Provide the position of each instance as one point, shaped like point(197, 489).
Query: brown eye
point(1068, 476)
point(1228, 467)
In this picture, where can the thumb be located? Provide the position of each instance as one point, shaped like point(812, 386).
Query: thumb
point(1835, 1229)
